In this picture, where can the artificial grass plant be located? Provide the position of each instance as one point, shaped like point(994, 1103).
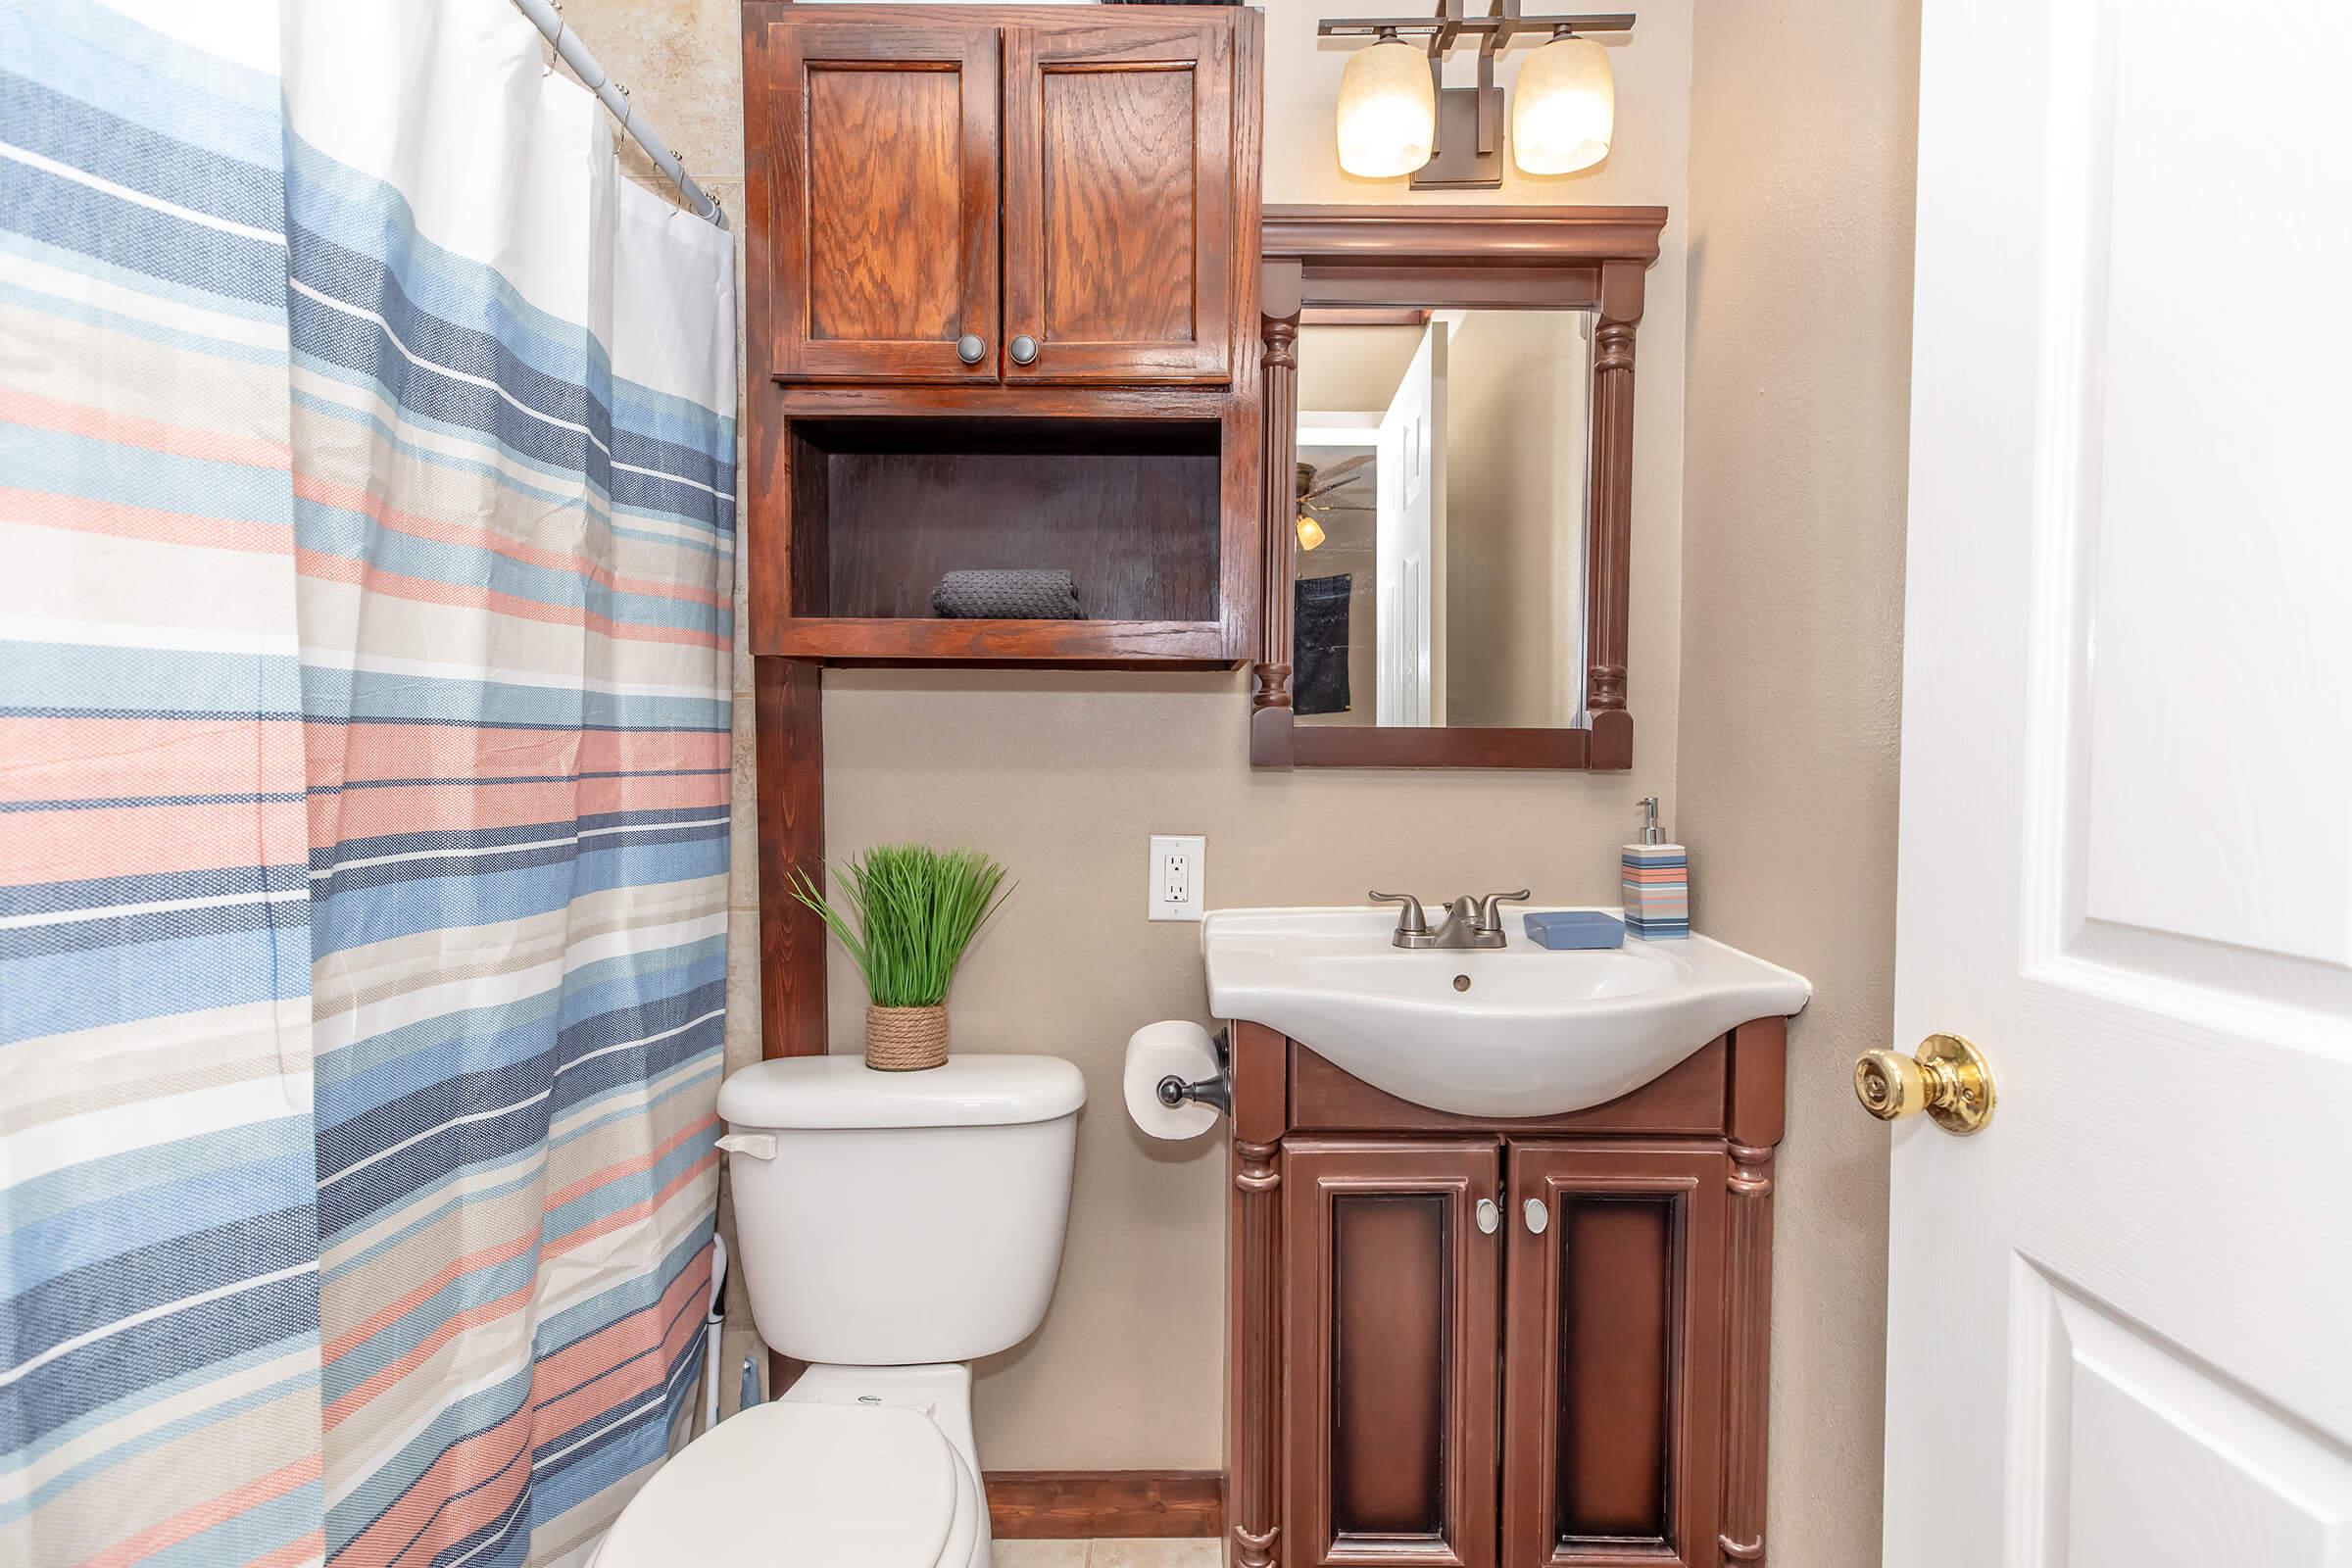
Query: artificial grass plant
point(912, 911)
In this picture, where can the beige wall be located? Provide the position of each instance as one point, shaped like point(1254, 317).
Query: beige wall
point(1801, 159)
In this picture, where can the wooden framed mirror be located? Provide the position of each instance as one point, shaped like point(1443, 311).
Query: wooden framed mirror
point(1447, 485)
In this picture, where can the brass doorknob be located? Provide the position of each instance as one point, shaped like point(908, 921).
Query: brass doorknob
point(1949, 1078)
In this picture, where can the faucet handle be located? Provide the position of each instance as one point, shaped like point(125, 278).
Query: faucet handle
point(1489, 909)
point(1410, 921)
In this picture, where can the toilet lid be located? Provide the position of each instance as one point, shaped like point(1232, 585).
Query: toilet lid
point(811, 1485)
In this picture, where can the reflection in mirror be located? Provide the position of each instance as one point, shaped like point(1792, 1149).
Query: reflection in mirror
point(1442, 484)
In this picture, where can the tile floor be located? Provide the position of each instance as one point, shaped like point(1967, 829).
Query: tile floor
point(1201, 1552)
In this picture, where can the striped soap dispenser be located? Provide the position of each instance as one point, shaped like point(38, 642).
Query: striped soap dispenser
point(1656, 881)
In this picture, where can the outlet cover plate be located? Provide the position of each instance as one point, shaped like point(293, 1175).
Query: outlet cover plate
point(1179, 864)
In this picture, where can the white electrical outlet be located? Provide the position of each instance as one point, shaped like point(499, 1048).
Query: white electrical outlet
point(1179, 864)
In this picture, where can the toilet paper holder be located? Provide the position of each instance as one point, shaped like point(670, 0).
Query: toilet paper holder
point(1215, 1093)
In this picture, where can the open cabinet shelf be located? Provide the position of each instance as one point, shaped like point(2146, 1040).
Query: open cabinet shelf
point(883, 508)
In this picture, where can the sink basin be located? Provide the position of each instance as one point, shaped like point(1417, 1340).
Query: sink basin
point(1530, 1033)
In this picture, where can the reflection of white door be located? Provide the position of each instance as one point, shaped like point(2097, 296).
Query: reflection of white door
point(1409, 539)
point(2120, 1318)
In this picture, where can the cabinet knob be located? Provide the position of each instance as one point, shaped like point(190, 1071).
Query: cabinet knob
point(1949, 1078)
point(1538, 1216)
point(971, 347)
point(1489, 1216)
point(1024, 350)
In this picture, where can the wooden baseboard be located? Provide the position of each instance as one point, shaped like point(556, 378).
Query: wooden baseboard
point(1104, 1504)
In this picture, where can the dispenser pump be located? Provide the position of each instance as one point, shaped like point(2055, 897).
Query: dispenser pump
point(1651, 833)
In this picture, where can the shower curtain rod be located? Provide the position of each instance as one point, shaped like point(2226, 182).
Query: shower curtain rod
point(549, 19)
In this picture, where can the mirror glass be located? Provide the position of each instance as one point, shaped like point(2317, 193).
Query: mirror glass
point(1440, 566)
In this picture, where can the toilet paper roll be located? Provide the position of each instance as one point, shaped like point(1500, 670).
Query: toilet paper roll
point(1172, 1046)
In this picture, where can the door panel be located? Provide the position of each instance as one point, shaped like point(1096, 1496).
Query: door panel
point(2121, 1418)
point(1388, 1341)
point(2116, 1315)
point(887, 153)
point(1118, 200)
point(1613, 1358)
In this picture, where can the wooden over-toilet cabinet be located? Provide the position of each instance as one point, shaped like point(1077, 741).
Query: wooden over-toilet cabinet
point(1490, 1344)
point(1000, 295)
point(967, 199)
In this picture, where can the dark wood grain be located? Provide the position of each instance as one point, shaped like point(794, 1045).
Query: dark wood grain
point(1609, 509)
point(1687, 1098)
point(1613, 1357)
point(1119, 644)
point(1120, 239)
point(1758, 1110)
point(1119, 185)
point(1279, 312)
point(1462, 236)
point(883, 222)
point(1387, 1343)
point(1131, 509)
point(1256, 1300)
point(1104, 1504)
point(789, 713)
point(789, 798)
point(1528, 258)
point(883, 160)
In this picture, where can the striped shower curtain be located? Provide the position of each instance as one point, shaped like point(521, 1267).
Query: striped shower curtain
point(367, 464)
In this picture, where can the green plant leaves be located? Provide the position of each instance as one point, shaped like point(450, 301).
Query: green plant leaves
point(912, 911)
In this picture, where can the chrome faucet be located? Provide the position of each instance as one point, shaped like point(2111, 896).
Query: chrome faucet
point(1469, 922)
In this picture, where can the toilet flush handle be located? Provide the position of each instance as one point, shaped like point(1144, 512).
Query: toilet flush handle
point(760, 1146)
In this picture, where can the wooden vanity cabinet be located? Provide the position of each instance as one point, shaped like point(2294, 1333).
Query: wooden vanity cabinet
point(1581, 1384)
point(1390, 1341)
point(1052, 191)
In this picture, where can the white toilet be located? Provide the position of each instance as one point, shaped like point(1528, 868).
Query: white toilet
point(891, 1227)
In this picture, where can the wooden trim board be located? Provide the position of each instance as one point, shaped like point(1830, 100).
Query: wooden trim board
point(1104, 1505)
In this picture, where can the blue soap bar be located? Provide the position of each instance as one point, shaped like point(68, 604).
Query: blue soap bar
point(1562, 930)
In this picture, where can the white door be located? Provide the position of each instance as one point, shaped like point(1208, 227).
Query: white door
point(1409, 542)
point(2120, 1325)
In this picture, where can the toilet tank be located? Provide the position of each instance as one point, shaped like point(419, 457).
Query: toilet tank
point(887, 1219)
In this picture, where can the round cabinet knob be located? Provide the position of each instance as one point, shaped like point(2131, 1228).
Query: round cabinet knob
point(1024, 350)
point(1538, 1216)
point(1949, 1078)
point(970, 348)
point(1489, 1216)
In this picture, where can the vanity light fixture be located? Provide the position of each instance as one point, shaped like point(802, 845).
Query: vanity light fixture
point(1396, 116)
point(1388, 110)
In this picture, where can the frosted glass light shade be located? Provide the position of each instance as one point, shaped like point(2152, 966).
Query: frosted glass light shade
point(1388, 111)
point(1565, 109)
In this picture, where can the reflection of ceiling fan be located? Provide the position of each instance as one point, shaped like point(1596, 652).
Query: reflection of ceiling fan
point(1316, 489)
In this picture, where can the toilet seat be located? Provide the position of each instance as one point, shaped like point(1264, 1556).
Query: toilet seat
point(809, 1485)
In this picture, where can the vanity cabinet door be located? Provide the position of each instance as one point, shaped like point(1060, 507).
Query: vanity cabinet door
point(1613, 1354)
point(882, 219)
point(1119, 238)
point(1389, 1348)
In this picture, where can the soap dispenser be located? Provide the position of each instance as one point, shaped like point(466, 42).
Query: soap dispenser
point(1656, 881)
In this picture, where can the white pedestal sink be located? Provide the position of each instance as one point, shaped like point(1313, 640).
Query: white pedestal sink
point(1518, 1031)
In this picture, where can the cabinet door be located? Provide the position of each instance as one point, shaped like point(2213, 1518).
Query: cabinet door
point(1613, 1356)
point(1389, 1353)
point(884, 216)
point(1119, 200)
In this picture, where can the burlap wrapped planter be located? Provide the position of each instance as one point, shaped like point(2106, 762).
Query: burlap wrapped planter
point(905, 1038)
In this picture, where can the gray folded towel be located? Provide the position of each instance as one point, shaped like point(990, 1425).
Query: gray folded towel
point(1006, 595)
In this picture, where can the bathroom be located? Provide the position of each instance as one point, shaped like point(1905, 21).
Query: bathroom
point(1814, 407)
